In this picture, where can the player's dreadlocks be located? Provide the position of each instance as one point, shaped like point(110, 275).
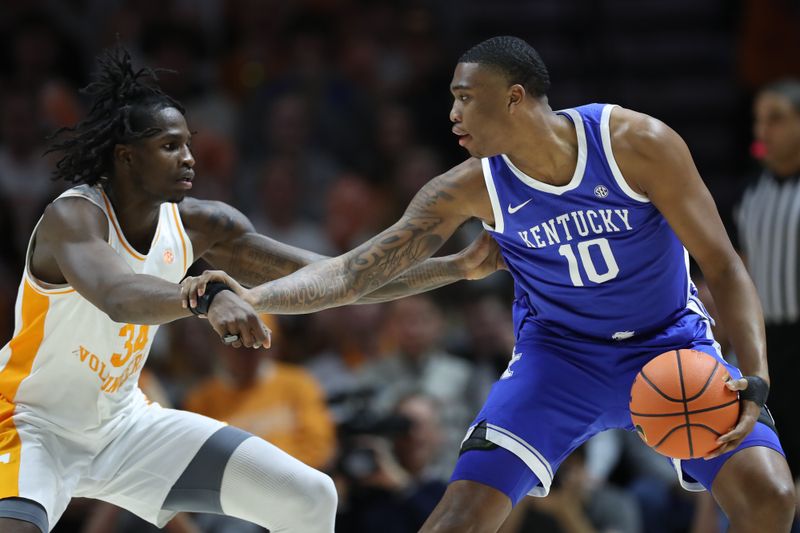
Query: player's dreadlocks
point(123, 103)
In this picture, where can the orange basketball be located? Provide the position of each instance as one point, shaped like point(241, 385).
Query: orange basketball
point(680, 404)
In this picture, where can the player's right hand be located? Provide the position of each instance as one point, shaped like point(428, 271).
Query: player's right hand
point(748, 416)
point(229, 315)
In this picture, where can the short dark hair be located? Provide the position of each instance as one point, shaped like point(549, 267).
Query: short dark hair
point(122, 107)
point(518, 60)
point(788, 88)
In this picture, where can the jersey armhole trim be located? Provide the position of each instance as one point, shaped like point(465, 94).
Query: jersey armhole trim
point(186, 242)
point(605, 133)
point(497, 211)
point(51, 289)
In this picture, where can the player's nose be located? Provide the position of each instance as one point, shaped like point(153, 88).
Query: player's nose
point(187, 159)
point(455, 114)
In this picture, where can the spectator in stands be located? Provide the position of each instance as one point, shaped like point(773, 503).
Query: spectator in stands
point(418, 362)
point(394, 489)
point(278, 402)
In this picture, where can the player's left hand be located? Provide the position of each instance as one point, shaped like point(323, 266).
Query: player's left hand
point(748, 416)
point(481, 258)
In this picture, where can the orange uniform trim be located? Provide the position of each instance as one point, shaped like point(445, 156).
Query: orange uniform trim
point(179, 227)
point(24, 347)
point(47, 292)
point(121, 237)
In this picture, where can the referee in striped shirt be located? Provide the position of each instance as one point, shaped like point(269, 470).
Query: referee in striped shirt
point(768, 227)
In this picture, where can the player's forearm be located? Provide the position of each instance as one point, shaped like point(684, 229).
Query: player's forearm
point(143, 299)
point(345, 279)
point(432, 274)
point(254, 259)
point(313, 288)
point(740, 309)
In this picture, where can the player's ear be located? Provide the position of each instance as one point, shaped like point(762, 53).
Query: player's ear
point(123, 154)
point(516, 94)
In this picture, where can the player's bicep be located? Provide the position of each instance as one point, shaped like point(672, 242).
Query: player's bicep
point(75, 236)
point(430, 219)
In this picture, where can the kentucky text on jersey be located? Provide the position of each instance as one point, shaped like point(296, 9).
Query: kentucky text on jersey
point(582, 223)
point(591, 258)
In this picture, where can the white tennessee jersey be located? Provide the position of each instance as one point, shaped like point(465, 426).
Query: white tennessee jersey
point(69, 365)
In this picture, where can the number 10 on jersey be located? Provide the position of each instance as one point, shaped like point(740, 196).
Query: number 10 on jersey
point(611, 268)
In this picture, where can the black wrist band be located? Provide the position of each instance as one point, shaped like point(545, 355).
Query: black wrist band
point(757, 390)
point(204, 301)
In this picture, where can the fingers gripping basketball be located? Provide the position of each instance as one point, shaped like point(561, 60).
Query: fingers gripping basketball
point(680, 404)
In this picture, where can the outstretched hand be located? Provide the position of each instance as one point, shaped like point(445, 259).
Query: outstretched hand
point(748, 416)
point(192, 287)
point(234, 320)
point(481, 258)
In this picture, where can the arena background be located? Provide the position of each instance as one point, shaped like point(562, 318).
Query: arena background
point(319, 119)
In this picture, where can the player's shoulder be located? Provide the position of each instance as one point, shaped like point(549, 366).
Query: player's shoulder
point(462, 174)
point(73, 214)
point(195, 207)
point(212, 216)
point(462, 178)
point(636, 134)
point(454, 191)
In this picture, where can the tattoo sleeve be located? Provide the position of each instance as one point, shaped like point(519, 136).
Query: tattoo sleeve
point(432, 274)
point(429, 221)
point(254, 259)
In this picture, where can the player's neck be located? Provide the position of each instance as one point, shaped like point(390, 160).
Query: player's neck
point(546, 146)
point(137, 215)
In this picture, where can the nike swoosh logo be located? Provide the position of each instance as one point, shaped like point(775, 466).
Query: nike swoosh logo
point(512, 210)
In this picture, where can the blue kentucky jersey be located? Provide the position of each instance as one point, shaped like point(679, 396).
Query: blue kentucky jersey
point(592, 256)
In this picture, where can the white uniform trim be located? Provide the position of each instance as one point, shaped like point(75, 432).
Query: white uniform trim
point(527, 453)
point(694, 486)
point(580, 166)
point(691, 486)
point(497, 210)
point(605, 133)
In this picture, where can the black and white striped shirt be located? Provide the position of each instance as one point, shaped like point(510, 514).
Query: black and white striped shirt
point(768, 224)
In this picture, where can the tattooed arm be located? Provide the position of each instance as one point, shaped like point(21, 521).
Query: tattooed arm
point(227, 240)
point(433, 215)
point(478, 260)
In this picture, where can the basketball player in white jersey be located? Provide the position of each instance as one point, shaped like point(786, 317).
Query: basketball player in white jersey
point(101, 273)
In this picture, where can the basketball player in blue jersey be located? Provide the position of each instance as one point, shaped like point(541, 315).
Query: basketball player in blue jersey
point(593, 210)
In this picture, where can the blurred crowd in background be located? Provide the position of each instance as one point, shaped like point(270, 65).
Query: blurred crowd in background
point(320, 119)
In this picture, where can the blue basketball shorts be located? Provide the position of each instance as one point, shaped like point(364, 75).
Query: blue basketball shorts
point(559, 391)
